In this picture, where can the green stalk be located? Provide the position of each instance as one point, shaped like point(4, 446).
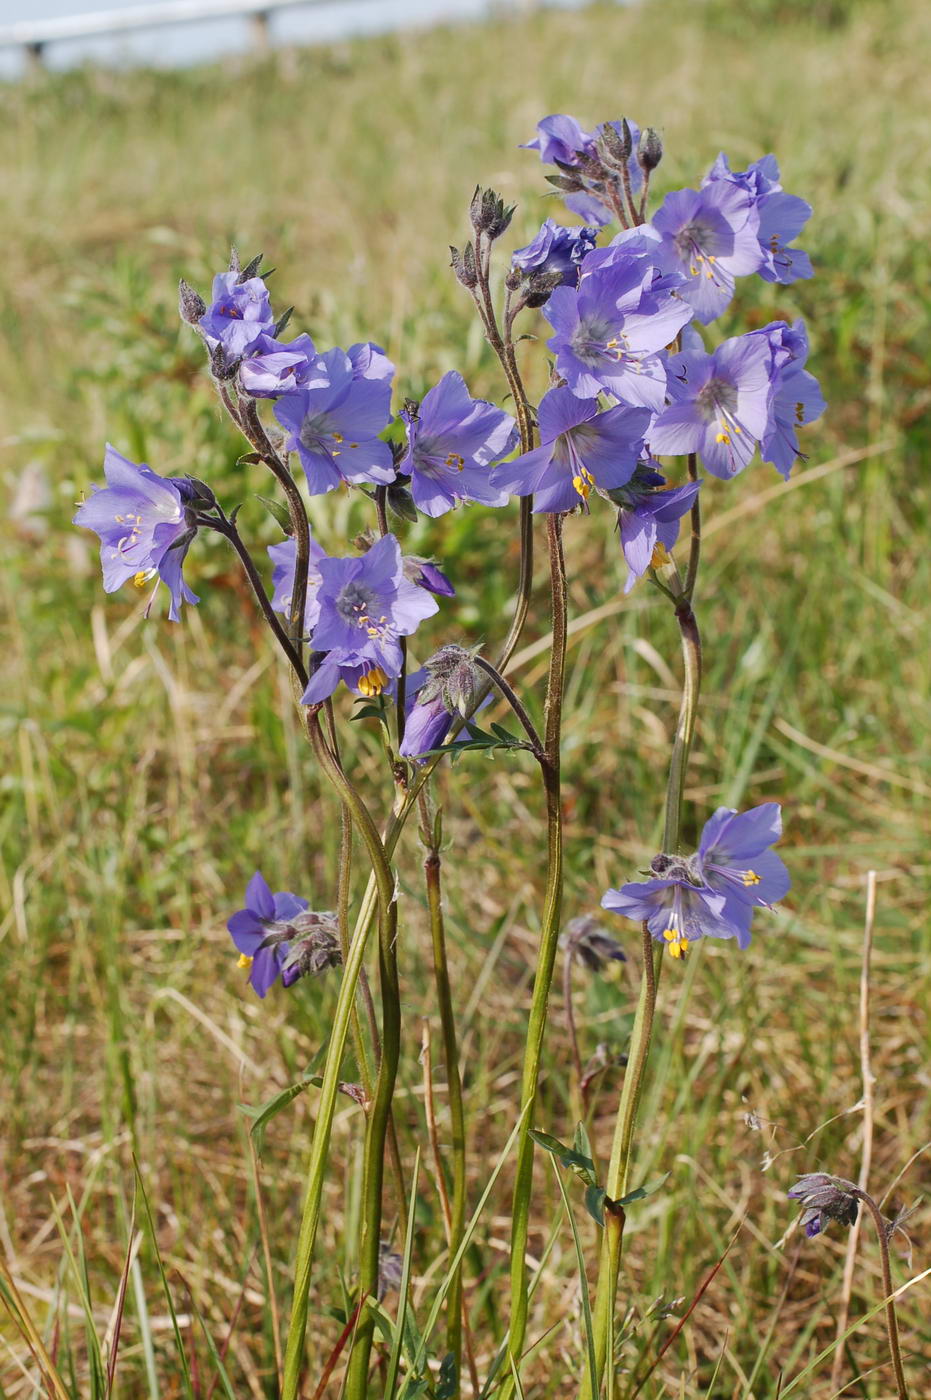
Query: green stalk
point(431, 835)
point(617, 1181)
point(549, 936)
point(378, 1120)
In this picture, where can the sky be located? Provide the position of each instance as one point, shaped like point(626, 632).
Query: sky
point(191, 43)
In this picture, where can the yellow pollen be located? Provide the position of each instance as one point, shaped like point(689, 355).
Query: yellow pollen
point(141, 578)
point(353, 444)
point(583, 483)
point(750, 877)
point(800, 413)
point(693, 269)
point(678, 943)
point(453, 459)
point(711, 259)
point(722, 437)
point(372, 682)
point(611, 344)
point(710, 276)
point(337, 437)
point(244, 961)
point(659, 557)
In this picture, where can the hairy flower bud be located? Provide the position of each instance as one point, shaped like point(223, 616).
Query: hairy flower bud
point(650, 150)
point(452, 676)
point(825, 1198)
point(586, 939)
point(614, 146)
point(191, 306)
point(400, 501)
point(489, 214)
point(463, 264)
point(540, 287)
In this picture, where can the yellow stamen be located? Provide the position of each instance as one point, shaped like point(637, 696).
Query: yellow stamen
point(678, 943)
point(372, 682)
point(141, 578)
point(244, 961)
point(659, 557)
point(583, 483)
point(337, 437)
point(722, 437)
point(800, 413)
point(750, 877)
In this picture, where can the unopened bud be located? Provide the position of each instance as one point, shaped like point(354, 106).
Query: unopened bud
point(540, 287)
point(650, 150)
point(825, 1198)
point(250, 269)
point(463, 264)
point(489, 213)
point(400, 501)
point(191, 306)
point(514, 278)
point(593, 945)
point(615, 146)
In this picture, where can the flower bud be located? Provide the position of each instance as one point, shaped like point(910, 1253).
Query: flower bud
point(593, 945)
point(650, 150)
point(400, 501)
point(825, 1198)
point(463, 264)
point(541, 286)
point(614, 146)
point(191, 306)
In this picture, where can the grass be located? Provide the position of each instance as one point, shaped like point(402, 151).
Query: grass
point(150, 768)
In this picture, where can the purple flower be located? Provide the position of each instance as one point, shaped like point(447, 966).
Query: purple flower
point(145, 523)
point(365, 604)
point(451, 441)
point(334, 426)
point(369, 361)
point(796, 397)
point(561, 138)
point(711, 237)
point(721, 404)
point(239, 314)
point(427, 723)
point(446, 687)
point(428, 575)
point(580, 448)
point(648, 519)
point(273, 367)
point(262, 930)
point(713, 893)
point(782, 217)
point(557, 249)
point(609, 332)
point(284, 558)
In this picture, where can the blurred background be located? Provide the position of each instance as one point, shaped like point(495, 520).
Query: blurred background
point(150, 768)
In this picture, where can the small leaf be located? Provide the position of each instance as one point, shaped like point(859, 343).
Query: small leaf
point(276, 509)
point(642, 1191)
point(595, 1203)
point(248, 459)
point(448, 1383)
point(566, 1156)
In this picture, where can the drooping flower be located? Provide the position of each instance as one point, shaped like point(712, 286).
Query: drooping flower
point(713, 893)
point(365, 604)
point(146, 523)
point(825, 1198)
point(428, 575)
point(782, 217)
point(561, 140)
point(796, 398)
point(610, 330)
point(274, 367)
point(446, 687)
point(334, 426)
point(648, 519)
point(557, 249)
point(452, 440)
point(720, 405)
point(284, 558)
point(262, 930)
point(710, 236)
point(589, 941)
point(239, 314)
point(580, 448)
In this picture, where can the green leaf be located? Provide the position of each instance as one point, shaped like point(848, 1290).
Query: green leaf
point(274, 508)
point(566, 1156)
point(642, 1191)
point(448, 1383)
point(595, 1203)
point(263, 1113)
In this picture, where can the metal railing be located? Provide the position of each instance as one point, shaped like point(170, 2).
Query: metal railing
point(33, 37)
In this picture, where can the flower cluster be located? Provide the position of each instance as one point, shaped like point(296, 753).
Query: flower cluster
point(713, 893)
point(278, 935)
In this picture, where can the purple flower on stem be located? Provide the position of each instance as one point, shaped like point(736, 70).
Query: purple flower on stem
point(365, 604)
point(825, 1198)
point(782, 217)
point(557, 249)
point(284, 558)
point(796, 397)
point(428, 575)
point(334, 426)
point(720, 404)
point(145, 523)
point(261, 932)
point(609, 332)
point(452, 439)
point(561, 138)
point(428, 720)
point(580, 448)
point(710, 236)
point(713, 893)
point(274, 367)
point(446, 687)
point(648, 520)
point(239, 314)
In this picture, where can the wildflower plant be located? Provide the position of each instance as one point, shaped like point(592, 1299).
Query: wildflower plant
point(642, 399)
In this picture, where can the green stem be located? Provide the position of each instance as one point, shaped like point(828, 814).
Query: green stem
point(617, 1181)
point(378, 1119)
point(549, 937)
point(430, 835)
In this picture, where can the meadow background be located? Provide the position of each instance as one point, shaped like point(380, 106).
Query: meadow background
point(149, 768)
